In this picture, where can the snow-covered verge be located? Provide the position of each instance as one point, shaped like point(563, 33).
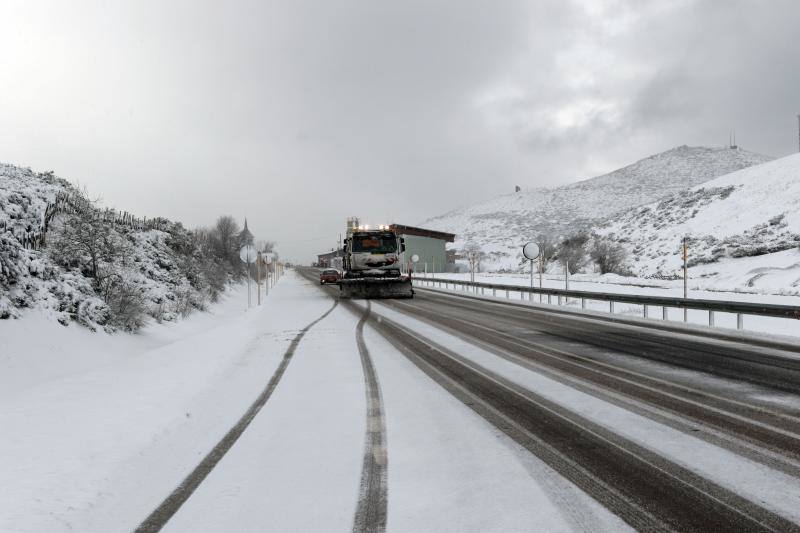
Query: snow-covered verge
point(503, 224)
point(61, 254)
point(752, 212)
point(98, 427)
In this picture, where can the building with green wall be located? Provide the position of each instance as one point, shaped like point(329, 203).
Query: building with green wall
point(429, 245)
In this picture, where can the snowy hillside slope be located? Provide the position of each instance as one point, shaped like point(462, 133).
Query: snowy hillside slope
point(501, 225)
point(751, 212)
point(154, 270)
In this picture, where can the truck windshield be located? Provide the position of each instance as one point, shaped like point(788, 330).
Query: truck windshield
point(382, 244)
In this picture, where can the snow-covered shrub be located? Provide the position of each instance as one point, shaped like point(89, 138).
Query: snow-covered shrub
point(125, 300)
point(609, 256)
point(572, 252)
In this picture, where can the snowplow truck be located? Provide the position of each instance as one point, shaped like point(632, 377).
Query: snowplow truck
point(373, 266)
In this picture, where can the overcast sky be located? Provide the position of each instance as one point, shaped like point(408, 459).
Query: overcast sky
point(299, 113)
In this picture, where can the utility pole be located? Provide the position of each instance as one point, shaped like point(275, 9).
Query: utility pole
point(258, 277)
point(798, 132)
point(685, 276)
point(531, 274)
point(566, 273)
point(540, 274)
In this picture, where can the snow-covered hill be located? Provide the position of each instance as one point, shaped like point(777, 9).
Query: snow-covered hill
point(751, 212)
point(501, 225)
point(61, 254)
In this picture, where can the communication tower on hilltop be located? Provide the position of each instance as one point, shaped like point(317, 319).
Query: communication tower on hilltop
point(798, 132)
point(732, 139)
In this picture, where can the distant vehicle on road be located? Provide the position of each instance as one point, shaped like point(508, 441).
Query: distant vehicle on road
point(328, 276)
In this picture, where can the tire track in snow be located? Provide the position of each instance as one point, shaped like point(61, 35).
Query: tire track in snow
point(167, 509)
point(371, 512)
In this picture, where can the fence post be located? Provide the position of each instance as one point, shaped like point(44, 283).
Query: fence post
point(664, 313)
point(710, 317)
point(644, 311)
point(611, 307)
point(583, 303)
point(739, 321)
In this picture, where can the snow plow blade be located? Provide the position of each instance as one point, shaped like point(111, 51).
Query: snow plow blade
point(365, 288)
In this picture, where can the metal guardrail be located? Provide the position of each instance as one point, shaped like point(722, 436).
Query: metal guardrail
point(665, 302)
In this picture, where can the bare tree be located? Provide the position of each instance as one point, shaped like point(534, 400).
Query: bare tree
point(474, 254)
point(224, 241)
point(547, 249)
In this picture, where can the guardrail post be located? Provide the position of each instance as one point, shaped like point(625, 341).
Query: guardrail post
point(507, 296)
point(494, 292)
point(521, 295)
point(559, 299)
point(664, 312)
point(644, 312)
point(710, 317)
point(482, 291)
point(583, 303)
point(739, 321)
point(549, 299)
point(611, 307)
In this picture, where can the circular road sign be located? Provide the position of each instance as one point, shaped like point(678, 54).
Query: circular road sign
point(414, 258)
point(247, 253)
point(530, 251)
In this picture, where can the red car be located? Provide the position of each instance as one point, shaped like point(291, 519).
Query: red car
point(328, 276)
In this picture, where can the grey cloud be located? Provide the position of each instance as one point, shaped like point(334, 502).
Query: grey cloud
point(297, 114)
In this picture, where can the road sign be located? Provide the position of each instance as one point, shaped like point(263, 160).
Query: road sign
point(415, 258)
point(530, 251)
point(247, 253)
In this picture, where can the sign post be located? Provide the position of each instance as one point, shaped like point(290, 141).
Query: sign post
point(247, 254)
point(268, 260)
point(259, 262)
point(685, 275)
point(531, 251)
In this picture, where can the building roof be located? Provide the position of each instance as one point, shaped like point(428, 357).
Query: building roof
point(400, 229)
point(328, 255)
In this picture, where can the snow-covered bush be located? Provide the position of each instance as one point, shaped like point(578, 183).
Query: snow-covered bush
point(572, 252)
point(609, 256)
point(100, 268)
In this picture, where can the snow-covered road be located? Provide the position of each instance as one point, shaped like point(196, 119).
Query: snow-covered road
point(100, 445)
